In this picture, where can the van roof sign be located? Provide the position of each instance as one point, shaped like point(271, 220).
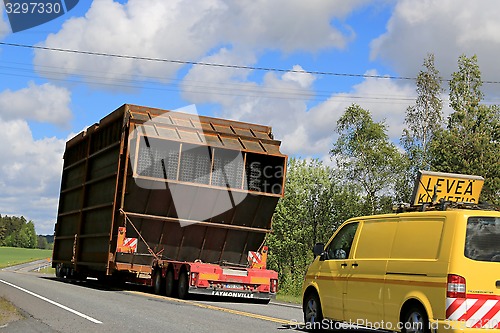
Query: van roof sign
point(430, 187)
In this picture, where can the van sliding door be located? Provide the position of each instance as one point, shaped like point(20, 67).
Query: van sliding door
point(364, 301)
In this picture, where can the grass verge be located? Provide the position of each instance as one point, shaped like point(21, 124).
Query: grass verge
point(289, 299)
point(8, 312)
point(10, 256)
point(47, 270)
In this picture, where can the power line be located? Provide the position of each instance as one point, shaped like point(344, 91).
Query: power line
point(208, 64)
point(201, 87)
point(221, 90)
point(244, 93)
point(191, 86)
point(184, 62)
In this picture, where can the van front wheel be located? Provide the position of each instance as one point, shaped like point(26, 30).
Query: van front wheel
point(312, 310)
point(415, 321)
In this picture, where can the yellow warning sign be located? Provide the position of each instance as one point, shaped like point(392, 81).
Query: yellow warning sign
point(452, 187)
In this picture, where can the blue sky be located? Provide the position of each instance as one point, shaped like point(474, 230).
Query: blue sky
point(46, 96)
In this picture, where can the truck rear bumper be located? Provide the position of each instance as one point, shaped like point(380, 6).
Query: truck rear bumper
point(232, 293)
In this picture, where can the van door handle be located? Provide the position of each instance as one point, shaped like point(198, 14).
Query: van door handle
point(343, 265)
point(497, 284)
point(354, 265)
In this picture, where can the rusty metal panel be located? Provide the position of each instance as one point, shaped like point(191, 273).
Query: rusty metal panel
point(253, 146)
point(213, 140)
point(232, 143)
point(88, 193)
point(179, 242)
point(97, 221)
point(244, 132)
point(223, 128)
point(168, 133)
point(262, 135)
point(67, 225)
point(272, 149)
point(193, 187)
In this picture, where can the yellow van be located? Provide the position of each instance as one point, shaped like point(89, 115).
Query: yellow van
point(435, 269)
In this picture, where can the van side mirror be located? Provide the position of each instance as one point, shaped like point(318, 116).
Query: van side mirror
point(318, 249)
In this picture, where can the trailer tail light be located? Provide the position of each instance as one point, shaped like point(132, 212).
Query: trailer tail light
point(194, 279)
point(274, 286)
point(456, 286)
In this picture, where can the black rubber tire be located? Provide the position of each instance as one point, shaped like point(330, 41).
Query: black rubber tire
point(170, 284)
point(158, 285)
point(415, 320)
point(183, 285)
point(59, 271)
point(313, 315)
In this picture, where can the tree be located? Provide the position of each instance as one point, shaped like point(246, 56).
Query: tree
point(465, 89)
point(422, 121)
point(32, 239)
point(17, 232)
point(365, 155)
point(3, 230)
point(315, 203)
point(42, 243)
point(470, 143)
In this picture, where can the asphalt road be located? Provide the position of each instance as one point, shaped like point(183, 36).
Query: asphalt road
point(52, 305)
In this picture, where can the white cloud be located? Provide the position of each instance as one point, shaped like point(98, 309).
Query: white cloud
point(314, 131)
point(30, 174)
point(30, 169)
point(219, 84)
point(281, 102)
point(4, 25)
point(447, 28)
point(188, 30)
point(43, 103)
point(303, 79)
point(387, 101)
point(273, 102)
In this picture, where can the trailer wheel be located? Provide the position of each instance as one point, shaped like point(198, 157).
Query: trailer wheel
point(183, 285)
point(59, 273)
point(158, 282)
point(170, 284)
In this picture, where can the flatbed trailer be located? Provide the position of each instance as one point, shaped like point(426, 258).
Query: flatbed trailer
point(176, 201)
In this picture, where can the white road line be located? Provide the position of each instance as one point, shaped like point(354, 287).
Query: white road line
point(52, 302)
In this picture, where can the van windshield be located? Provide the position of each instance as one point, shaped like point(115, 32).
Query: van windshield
point(483, 239)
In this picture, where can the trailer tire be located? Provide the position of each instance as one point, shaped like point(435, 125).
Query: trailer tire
point(59, 269)
point(170, 284)
point(158, 282)
point(183, 285)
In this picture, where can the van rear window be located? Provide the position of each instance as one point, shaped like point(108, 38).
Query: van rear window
point(482, 241)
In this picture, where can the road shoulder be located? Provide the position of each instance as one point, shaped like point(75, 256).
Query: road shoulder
point(8, 313)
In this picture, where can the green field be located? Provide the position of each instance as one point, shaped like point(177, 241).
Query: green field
point(10, 256)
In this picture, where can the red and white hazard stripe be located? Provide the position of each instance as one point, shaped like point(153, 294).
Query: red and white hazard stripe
point(477, 311)
point(254, 257)
point(130, 242)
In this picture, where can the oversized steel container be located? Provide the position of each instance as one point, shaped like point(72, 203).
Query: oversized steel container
point(187, 187)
